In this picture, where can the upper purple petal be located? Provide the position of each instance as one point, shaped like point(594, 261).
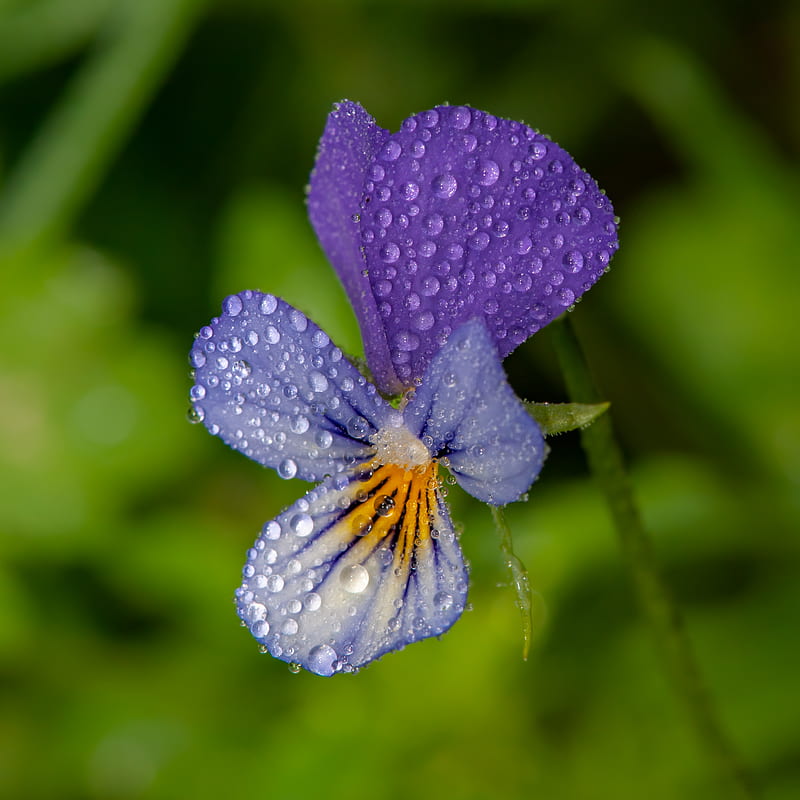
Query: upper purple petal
point(348, 145)
point(458, 215)
point(270, 383)
point(467, 215)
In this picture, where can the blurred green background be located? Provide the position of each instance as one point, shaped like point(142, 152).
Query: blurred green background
point(153, 157)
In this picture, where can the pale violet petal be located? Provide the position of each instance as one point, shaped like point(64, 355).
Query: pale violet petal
point(465, 411)
point(362, 565)
point(270, 383)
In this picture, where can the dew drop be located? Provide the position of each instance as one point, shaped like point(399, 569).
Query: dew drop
point(287, 469)
point(391, 151)
point(318, 382)
point(197, 359)
point(268, 304)
point(271, 530)
point(487, 172)
point(275, 583)
point(301, 524)
point(354, 579)
point(460, 117)
point(299, 320)
point(321, 659)
point(444, 186)
point(384, 505)
point(312, 602)
point(390, 252)
point(232, 305)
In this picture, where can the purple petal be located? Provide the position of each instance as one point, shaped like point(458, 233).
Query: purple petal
point(270, 383)
point(466, 215)
point(356, 568)
point(342, 170)
point(466, 412)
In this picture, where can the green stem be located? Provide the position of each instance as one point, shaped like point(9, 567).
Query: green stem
point(519, 578)
point(71, 152)
point(607, 466)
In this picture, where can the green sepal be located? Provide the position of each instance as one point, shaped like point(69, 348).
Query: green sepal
point(555, 418)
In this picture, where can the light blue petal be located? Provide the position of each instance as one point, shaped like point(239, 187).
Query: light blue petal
point(269, 383)
point(466, 412)
point(360, 566)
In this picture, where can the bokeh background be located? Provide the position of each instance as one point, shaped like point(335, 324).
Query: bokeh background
point(153, 157)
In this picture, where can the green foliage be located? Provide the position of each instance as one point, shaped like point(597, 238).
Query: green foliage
point(153, 156)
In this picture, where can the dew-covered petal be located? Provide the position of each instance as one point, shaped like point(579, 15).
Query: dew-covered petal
point(342, 171)
point(475, 216)
point(364, 564)
point(270, 383)
point(466, 412)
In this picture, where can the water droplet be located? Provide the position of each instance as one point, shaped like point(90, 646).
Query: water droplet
point(195, 414)
point(357, 427)
point(566, 297)
point(312, 602)
point(301, 524)
point(268, 304)
point(197, 359)
point(252, 338)
point(423, 320)
point(300, 424)
point(391, 151)
point(324, 439)
point(427, 249)
point(460, 117)
point(444, 186)
point(538, 150)
point(430, 286)
point(222, 362)
point(275, 583)
point(384, 217)
point(197, 392)
point(443, 601)
point(390, 252)
point(241, 369)
point(354, 579)
point(260, 629)
point(321, 659)
point(287, 469)
point(487, 172)
point(573, 260)
point(232, 305)
point(289, 627)
point(298, 319)
point(271, 530)
point(406, 341)
point(318, 382)
point(272, 334)
point(480, 241)
point(409, 191)
point(295, 668)
point(384, 505)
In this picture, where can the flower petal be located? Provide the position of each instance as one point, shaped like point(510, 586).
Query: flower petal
point(466, 215)
point(349, 143)
point(465, 411)
point(363, 564)
point(270, 383)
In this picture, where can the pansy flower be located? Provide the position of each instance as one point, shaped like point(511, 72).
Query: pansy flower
point(456, 238)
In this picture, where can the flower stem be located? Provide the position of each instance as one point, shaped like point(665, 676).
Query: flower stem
point(608, 469)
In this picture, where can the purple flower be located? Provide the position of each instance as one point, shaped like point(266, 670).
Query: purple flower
point(368, 560)
point(459, 215)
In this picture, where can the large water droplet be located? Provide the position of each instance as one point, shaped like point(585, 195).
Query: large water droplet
point(287, 469)
point(445, 186)
point(354, 579)
point(268, 304)
point(390, 252)
point(232, 305)
point(321, 659)
point(302, 524)
point(487, 172)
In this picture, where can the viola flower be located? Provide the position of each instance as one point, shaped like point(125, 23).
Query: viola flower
point(455, 238)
